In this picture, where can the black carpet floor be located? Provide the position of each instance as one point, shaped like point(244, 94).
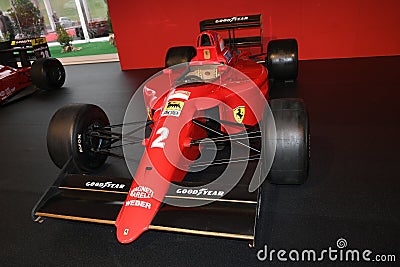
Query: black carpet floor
point(353, 191)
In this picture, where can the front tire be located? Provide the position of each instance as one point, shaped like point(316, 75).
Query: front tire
point(68, 135)
point(291, 159)
point(48, 73)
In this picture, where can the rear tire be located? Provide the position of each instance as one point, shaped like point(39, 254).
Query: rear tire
point(282, 59)
point(48, 73)
point(68, 136)
point(179, 54)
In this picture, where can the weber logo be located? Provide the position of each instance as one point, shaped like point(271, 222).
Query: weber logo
point(138, 203)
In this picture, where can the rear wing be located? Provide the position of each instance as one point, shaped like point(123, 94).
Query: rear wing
point(37, 45)
point(252, 23)
point(24, 51)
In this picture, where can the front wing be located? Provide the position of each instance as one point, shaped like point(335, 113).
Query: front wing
point(98, 199)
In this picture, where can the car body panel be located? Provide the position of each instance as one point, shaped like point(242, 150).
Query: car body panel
point(12, 81)
point(13, 77)
point(168, 155)
point(234, 86)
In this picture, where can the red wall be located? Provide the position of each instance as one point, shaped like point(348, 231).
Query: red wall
point(145, 29)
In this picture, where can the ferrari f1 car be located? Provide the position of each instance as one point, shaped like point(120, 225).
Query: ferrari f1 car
point(17, 74)
point(214, 104)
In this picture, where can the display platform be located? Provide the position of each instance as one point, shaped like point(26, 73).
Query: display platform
point(351, 196)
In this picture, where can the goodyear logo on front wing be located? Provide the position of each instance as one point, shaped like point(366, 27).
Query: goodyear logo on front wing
point(238, 113)
point(173, 108)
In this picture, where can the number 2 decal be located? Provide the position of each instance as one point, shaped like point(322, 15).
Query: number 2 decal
point(159, 141)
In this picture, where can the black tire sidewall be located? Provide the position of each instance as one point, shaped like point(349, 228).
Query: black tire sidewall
point(296, 108)
point(282, 50)
point(84, 158)
point(68, 136)
point(291, 159)
point(48, 73)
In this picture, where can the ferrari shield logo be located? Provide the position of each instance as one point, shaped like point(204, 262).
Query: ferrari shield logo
point(238, 113)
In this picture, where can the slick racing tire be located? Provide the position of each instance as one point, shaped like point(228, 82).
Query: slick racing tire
point(48, 73)
point(179, 54)
point(292, 155)
point(291, 161)
point(282, 59)
point(69, 135)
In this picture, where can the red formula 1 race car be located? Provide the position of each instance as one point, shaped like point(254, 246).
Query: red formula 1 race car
point(17, 74)
point(210, 141)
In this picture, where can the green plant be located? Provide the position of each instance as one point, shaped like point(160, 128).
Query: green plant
point(27, 17)
point(5, 37)
point(62, 36)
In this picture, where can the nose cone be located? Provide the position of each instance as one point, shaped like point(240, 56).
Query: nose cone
point(142, 203)
point(135, 217)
